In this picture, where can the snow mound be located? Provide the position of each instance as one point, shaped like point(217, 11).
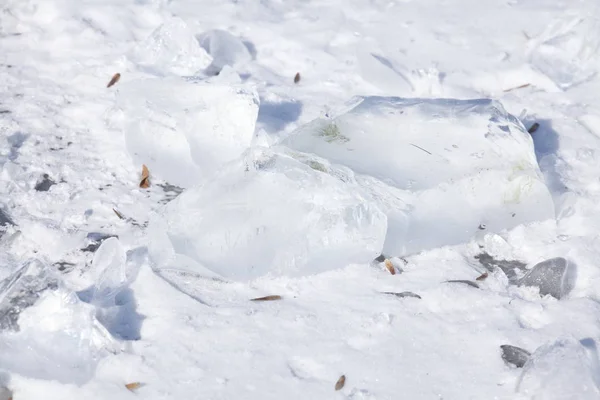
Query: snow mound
point(185, 130)
point(171, 49)
point(269, 214)
point(560, 370)
point(567, 51)
point(458, 165)
point(224, 48)
point(48, 332)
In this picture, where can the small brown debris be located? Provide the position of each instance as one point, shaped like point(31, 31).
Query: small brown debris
point(145, 182)
point(466, 282)
point(267, 298)
point(133, 386)
point(114, 79)
point(518, 87)
point(121, 216)
point(390, 266)
point(297, 78)
point(482, 277)
point(533, 128)
point(340, 382)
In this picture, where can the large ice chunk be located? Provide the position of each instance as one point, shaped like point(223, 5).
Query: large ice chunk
point(171, 49)
point(185, 130)
point(463, 165)
point(559, 371)
point(268, 214)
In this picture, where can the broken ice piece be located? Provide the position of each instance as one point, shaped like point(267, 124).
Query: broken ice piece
point(514, 355)
point(5, 219)
point(562, 369)
point(21, 290)
point(555, 277)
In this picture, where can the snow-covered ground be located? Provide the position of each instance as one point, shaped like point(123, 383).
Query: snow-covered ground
point(304, 149)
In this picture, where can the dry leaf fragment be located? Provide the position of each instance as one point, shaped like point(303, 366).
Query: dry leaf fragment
point(121, 216)
point(390, 266)
point(133, 386)
point(482, 277)
point(297, 78)
point(518, 87)
point(466, 282)
point(267, 298)
point(114, 79)
point(145, 182)
point(403, 294)
point(340, 382)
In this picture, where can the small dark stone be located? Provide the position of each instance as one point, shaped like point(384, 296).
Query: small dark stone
point(533, 128)
point(514, 355)
point(466, 282)
point(297, 78)
point(44, 183)
point(481, 227)
point(555, 277)
point(381, 258)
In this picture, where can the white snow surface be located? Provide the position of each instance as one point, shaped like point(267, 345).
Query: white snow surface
point(406, 134)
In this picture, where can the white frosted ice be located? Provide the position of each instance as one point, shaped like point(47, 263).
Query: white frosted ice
point(460, 164)
point(271, 215)
point(561, 370)
point(224, 48)
point(185, 130)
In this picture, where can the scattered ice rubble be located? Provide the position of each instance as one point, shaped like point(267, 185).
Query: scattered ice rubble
point(49, 331)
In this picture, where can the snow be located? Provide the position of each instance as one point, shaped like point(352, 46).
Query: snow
point(105, 283)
